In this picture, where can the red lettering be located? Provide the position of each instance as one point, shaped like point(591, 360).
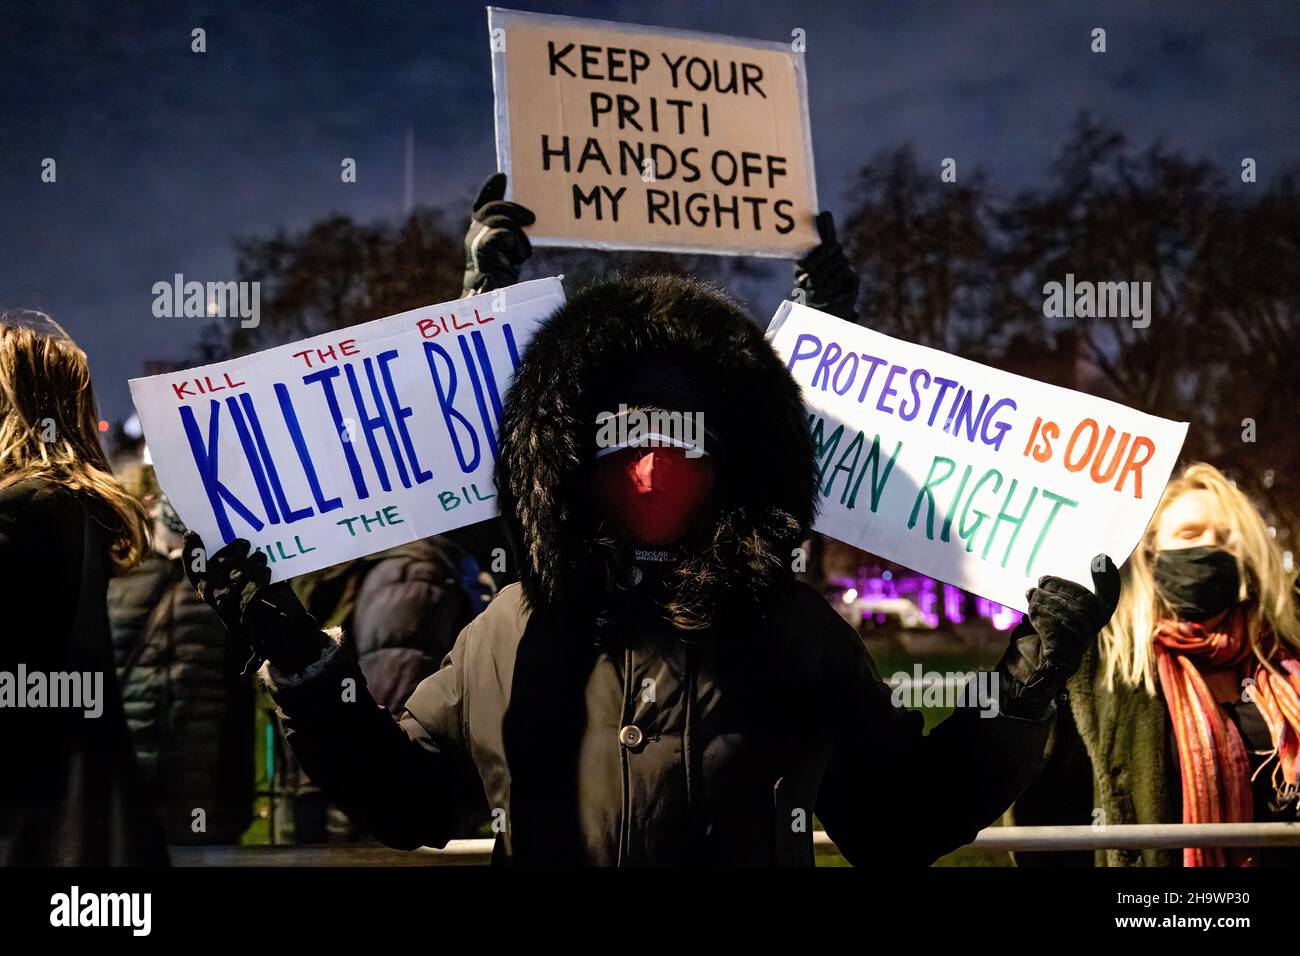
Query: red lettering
point(205, 385)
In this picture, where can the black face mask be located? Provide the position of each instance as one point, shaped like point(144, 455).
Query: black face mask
point(1197, 583)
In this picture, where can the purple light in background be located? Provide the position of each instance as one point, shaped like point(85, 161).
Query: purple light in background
point(1002, 618)
point(928, 601)
point(952, 600)
point(1005, 618)
point(935, 605)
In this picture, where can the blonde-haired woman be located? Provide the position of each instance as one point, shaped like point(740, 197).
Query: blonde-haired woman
point(1189, 708)
point(68, 794)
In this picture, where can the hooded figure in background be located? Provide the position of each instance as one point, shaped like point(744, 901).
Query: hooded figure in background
point(657, 688)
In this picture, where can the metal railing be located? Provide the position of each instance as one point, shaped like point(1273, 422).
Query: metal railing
point(1018, 839)
point(1137, 836)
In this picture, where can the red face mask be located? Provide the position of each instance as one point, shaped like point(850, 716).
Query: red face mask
point(654, 495)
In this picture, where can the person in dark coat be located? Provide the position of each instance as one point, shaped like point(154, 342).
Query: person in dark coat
point(403, 608)
point(657, 688)
point(69, 792)
point(188, 702)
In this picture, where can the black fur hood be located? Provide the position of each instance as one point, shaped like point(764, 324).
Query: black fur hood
point(676, 343)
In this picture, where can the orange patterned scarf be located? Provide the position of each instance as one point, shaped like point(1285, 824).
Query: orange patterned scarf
point(1213, 762)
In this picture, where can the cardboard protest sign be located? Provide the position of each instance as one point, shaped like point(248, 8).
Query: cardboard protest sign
point(630, 137)
point(347, 443)
point(977, 477)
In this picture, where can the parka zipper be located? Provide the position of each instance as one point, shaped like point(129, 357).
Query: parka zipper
point(629, 711)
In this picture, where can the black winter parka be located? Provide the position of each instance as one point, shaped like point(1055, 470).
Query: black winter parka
point(626, 744)
point(694, 706)
point(190, 711)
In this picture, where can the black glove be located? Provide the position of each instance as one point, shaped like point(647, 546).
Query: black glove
point(1047, 646)
point(496, 247)
point(827, 279)
point(269, 617)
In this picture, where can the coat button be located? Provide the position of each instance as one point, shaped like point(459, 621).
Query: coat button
point(631, 736)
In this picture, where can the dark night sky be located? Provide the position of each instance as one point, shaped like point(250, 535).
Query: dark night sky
point(164, 156)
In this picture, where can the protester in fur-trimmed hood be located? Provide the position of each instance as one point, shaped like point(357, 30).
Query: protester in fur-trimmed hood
point(658, 689)
point(727, 519)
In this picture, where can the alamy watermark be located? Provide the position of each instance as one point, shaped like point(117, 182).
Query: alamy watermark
point(651, 427)
point(921, 688)
point(216, 300)
point(1098, 300)
point(76, 909)
point(61, 690)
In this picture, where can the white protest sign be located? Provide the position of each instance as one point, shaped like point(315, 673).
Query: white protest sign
point(346, 443)
point(977, 477)
point(620, 136)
